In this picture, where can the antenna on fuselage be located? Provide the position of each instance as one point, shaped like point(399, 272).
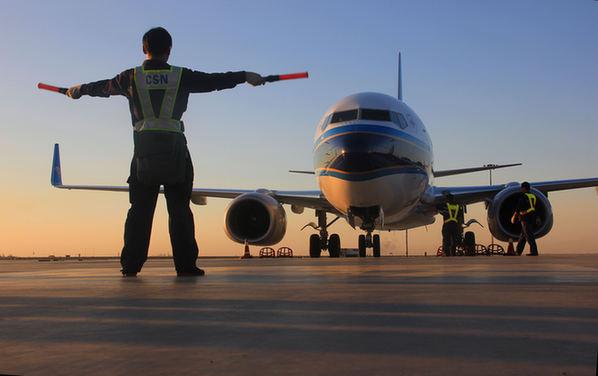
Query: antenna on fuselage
point(400, 79)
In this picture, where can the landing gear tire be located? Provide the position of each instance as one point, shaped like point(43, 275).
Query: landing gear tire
point(334, 245)
point(362, 245)
point(315, 248)
point(376, 245)
point(469, 243)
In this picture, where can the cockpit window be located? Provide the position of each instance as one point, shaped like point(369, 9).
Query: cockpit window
point(377, 115)
point(338, 117)
point(399, 120)
point(325, 122)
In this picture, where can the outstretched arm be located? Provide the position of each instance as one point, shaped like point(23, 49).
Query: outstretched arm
point(118, 85)
point(200, 82)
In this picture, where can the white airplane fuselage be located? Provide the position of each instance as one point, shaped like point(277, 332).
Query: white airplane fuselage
point(373, 160)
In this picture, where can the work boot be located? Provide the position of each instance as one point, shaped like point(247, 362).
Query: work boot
point(196, 272)
point(127, 274)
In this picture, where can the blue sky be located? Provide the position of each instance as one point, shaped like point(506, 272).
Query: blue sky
point(509, 81)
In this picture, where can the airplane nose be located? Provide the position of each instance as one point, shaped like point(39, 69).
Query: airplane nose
point(364, 170)
point(358, 153)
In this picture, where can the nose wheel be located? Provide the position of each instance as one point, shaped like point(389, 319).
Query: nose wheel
point(369, 241)
point(321, 241)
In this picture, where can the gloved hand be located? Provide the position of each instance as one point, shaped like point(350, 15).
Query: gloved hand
point(254, 79)
point(74, 92)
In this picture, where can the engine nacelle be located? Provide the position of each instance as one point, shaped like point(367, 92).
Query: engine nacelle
point(503, 206)
point(255, 217)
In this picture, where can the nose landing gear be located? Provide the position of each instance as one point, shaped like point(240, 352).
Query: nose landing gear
point(369, 216)
point(369, 241)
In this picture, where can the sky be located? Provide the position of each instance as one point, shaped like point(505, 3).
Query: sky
point(494, 82)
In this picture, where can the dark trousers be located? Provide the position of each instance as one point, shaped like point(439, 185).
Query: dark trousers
point(527, 235)
point(138, 226)
point(450, 238)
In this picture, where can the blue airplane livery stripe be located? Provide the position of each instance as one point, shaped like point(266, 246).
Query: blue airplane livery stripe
point(362, 176)
point(372, 129)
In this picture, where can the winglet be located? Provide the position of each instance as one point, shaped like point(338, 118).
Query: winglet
point(56, 177)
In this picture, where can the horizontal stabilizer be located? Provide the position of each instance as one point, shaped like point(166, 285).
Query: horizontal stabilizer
point(442, 173)
point(302, 172)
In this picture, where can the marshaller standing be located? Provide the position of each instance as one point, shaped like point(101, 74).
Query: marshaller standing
point(158, 94)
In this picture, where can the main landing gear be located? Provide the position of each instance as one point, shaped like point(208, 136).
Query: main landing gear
point(321, 241)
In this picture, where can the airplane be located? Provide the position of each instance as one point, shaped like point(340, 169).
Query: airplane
point(373, 160)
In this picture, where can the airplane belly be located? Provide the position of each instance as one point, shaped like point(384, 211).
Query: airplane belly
point(396, 194)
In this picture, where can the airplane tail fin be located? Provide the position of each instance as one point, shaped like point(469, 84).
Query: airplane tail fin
point(56, 176)
point(400, 81)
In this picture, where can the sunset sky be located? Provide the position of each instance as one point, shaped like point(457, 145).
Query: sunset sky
point(494, 82)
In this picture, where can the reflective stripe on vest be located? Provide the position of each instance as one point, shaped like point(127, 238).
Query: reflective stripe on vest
point(532, 203)
point(159, 79)
point(453, 212)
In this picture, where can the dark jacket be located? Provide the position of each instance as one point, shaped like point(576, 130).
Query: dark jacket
point(443, 210)
point(191, 82)
point(523, 205)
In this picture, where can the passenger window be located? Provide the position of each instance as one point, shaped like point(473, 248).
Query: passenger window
point(399, 120)
point(338, 117)
point(377, 115)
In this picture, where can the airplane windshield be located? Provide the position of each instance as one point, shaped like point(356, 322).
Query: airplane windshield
point(377, 115)
point(338, 117)
point(399, 120)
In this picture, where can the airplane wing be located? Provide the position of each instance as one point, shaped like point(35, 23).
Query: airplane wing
point(307, 199)
point(473, 194)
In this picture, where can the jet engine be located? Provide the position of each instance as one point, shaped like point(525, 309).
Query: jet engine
point(256, 218)
point(503, 206)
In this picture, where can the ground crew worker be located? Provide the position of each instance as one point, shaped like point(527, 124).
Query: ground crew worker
point(452, 227)
point(526, 213)
point(158, 94)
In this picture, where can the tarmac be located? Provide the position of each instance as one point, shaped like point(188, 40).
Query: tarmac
point(388, 316)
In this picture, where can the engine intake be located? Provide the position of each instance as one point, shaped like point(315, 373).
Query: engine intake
point(255, 217)
point(503, 206)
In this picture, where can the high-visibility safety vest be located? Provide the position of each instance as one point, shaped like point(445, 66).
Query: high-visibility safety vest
point(159, 79)
point(453, 212)
point(532, 203)
point(160, 146)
